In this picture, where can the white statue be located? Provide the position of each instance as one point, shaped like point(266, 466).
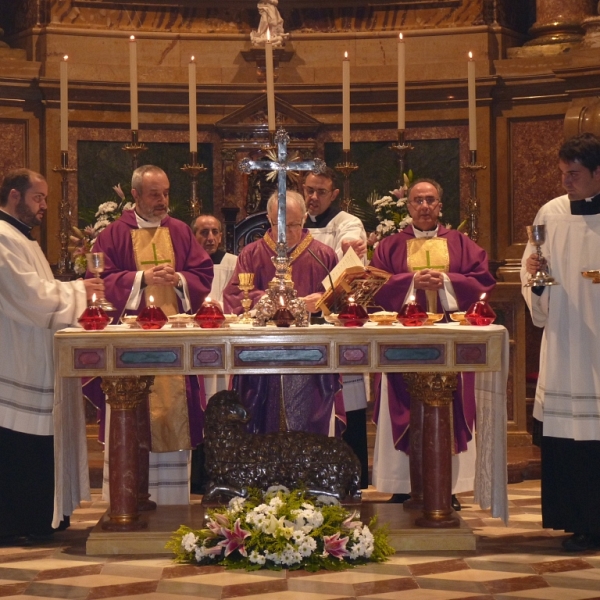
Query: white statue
point(270, 20)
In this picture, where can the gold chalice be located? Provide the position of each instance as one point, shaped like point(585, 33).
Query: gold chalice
point(537, 236)
point(246, 284)
point(95, 264)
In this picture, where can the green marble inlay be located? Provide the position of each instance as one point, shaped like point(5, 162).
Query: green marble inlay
point(140, 358)
point(292, 355)
point(414, 354)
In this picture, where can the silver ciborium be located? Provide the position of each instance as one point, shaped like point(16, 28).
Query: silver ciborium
point(542, 278)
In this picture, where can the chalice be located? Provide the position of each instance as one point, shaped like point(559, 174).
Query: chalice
point(246, 284)
point(537, 236)
point(95, 264)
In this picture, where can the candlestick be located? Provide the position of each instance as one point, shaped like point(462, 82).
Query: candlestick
point(346, 168)
point(193, 169)
point(472, 103)
point(193, 117)
point(133, 82)
point(473, 205)
point(401, 84)
point(64, 105)
point(401, 149)
point(345, 103)
point(134, 148)
point(270, 82)
point(65, 262)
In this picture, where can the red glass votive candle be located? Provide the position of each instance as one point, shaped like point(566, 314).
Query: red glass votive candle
point(152, 317)
point(353, 314)
point(93, 318)
point(480, 313)
point(283, 317)
point(412, 314)
point(209, 315)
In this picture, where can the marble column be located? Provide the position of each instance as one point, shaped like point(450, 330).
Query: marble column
point(417, 413)
point(559, 21)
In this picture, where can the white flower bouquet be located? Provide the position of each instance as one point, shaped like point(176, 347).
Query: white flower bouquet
point(282, 529)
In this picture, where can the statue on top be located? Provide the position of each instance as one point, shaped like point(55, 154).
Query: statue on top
point(270, 20)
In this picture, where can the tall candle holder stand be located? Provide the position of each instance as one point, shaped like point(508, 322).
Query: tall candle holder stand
point(193, 170)
point(473, 207)
point(346, 168)
point(134, 148)
point(401, 149)
point(65, 263)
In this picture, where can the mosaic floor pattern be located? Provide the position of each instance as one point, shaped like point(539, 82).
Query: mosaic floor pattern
point(518, 561)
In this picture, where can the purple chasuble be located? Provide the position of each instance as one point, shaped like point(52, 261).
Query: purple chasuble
point(470, 277)
point(309, 399)
point(119, 273)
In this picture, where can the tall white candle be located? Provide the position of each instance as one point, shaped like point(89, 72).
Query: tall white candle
point(270, 82)
point(64, 105)
point(192, 94)
point(346, 102)
point(401, 83)
point(472, 103)
point(133, 82)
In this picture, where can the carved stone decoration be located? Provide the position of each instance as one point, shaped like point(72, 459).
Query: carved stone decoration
point(237, 460)
point(270, 21)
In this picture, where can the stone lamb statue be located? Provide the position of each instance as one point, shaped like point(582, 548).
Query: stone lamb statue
point(271, 20)
point(237, 460)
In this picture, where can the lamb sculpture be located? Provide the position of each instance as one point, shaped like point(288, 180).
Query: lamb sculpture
point(237, 460)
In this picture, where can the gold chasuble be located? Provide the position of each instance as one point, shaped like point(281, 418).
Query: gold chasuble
point(296, 252)
point(169, 423)
point(428, 253)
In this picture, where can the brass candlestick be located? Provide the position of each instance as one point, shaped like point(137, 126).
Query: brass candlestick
point(246, 284)
point(401, 149)
point(134, 149)
point(473, 207)
point(193, 170)
point(65, 263)
point(346, 168)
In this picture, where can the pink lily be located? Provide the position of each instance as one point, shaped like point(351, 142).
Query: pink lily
point(119, 191)
point(221, 519)
point(336, 546)
point(234, 539)
point(349, 523)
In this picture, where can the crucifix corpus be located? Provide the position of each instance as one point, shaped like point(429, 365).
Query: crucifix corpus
point(281, 166)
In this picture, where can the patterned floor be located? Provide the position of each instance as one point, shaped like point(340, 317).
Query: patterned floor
point(518, 561)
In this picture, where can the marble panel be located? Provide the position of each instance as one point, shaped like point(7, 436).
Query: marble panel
point(534, 169)
point(13, 150)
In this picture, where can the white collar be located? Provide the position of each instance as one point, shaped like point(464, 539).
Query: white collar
point(426, 234)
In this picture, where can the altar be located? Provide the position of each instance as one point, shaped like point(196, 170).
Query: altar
point(119, 352)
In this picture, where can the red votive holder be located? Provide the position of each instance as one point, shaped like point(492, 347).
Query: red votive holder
point(93, 318)
point(412, 314)
point(353, 314)
point(480, 313)
point(283, 317)
point(209, 315)
point(152, 317)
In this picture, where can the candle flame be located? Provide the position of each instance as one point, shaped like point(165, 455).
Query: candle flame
point(66, 57)
point(411, 298)
point(482, 297)
point(470, 56)
point(132, 38)
point(400, 36)
point(192, 59)
point(207, 300)
point(93, 298)
point(268, 35)
point(151, 299)
point(351, 299)
point(281, 301)
point(346, 55)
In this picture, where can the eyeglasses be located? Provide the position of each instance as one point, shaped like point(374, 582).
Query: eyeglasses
point(320, 192)
point(420, 200)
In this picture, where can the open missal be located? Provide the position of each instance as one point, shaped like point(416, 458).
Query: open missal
point(350, 278)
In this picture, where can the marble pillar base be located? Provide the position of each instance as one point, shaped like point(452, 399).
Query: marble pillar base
point(592, 33)
point(404, 535)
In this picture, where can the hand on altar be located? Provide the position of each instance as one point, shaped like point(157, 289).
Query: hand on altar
point(429, 279)
point(94, 286)
point(360, 247)
point(161, 275)
point(311, 301)
point(533, 263)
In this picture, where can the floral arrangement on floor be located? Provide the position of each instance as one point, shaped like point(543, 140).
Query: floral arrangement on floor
point(282, 529)
point(82, 241)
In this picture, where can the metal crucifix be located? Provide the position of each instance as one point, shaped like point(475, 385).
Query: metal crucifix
point(281, 166)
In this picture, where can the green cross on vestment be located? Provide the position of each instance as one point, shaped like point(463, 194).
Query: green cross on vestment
point(428, 265)
point(154, 262)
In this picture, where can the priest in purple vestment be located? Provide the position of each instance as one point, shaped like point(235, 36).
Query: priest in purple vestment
point(148, 254)
point(426, 259)
point(309, 400)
